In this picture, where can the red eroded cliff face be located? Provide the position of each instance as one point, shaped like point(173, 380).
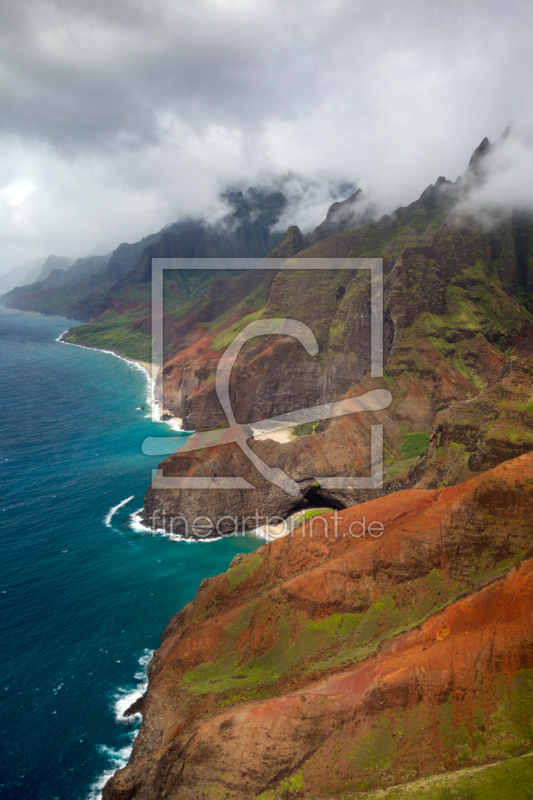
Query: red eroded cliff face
point(327, 662)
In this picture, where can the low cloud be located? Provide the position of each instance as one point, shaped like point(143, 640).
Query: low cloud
point(119, 117)
point(506, 184)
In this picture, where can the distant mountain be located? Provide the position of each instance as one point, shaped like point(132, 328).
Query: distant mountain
point(25, 273)
point(54, 262)
point(88, 288)
point(31, 271)
point(63, 290)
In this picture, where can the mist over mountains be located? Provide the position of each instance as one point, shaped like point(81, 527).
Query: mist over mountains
point(118, 120)
point(499, 184)
point(245, 223)
point(274, 204)
point(252, 223)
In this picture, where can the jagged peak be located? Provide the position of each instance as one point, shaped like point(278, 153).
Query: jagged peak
point(478, 156)
point(290, 243)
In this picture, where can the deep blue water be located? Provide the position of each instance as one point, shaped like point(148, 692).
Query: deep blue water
point(82, 603)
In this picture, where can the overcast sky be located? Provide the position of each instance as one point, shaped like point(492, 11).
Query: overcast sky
point(119, 116)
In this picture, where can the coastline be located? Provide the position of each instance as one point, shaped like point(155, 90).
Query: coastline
point(125, 697)
point(76, 516)
point(150, 370)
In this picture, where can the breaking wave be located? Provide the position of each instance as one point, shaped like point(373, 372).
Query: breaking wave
point(123, 698)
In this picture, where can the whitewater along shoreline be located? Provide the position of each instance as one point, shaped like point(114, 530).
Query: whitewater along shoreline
point(151, 371)
point(267, 532)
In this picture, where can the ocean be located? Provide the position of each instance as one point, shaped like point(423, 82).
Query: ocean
point(85, 592)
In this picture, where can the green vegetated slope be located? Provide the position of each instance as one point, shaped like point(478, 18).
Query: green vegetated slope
point(511, 779)
point(199, 300)
point(334, 666)
point(456, 297)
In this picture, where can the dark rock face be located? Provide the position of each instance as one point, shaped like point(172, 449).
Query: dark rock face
point(475, 164)
point(276, 375)
point(477, 434)
point(123, 259)
point(340, 447)
point(416, 286)
point(247, 231)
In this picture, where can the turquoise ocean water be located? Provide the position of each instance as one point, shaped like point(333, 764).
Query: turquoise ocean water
point(84, 595)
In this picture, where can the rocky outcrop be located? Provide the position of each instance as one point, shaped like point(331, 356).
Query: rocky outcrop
point(476, 163)
point(390, 641)
point(275, 375)
point(290, 243)
point(339, 447)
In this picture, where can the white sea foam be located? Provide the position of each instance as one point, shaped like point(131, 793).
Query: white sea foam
point(259, 533)
point(112, 511)
point(143, 663)
point(60, 337)
point(137, 525)
point(155, 409)
point(118, 758)
point(95, 792)
point(125, 697)
point(121, 701)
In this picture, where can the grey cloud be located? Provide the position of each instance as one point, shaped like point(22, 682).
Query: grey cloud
point(125, 115)
point(506, 180)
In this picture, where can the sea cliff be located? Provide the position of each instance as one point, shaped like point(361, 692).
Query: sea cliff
point(330, 663)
